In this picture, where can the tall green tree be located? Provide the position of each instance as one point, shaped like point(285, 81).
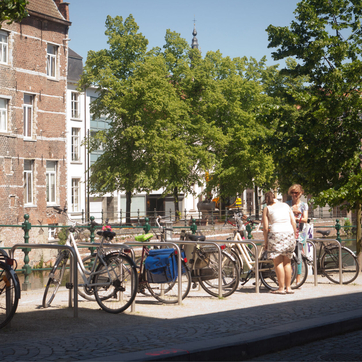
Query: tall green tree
point(12, 10)
point(155, 138)
point(318, 142)
point(236, 99)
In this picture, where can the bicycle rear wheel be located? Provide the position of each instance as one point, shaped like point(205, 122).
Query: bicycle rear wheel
point(55, 279)
point(116, 283)
point(268, 276)
point(330, 265)
point(303, 275)
point(168, 292)
point(9, 294)
point(230, 275)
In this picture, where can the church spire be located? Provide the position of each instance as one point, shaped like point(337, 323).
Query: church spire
point(194, 43)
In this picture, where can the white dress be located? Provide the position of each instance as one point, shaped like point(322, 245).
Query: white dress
point(281, 239)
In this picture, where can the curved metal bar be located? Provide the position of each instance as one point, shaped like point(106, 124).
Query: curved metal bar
point(73, 267)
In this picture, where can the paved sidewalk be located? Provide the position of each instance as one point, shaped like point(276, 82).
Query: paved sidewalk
point(239, 327)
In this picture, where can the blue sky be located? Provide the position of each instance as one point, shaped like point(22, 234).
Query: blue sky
point(235, 27)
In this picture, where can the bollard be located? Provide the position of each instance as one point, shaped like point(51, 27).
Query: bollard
point(26, 226)
point(338, 228)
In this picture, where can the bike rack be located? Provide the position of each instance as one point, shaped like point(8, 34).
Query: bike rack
point(214, 242)
point(248, 241)
point(321, 240)
point(115, 246)
point(73, 266)
point(217, 242)
point(314, 262)
point(159, 243)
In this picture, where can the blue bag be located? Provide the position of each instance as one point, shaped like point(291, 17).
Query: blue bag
point(161, 266)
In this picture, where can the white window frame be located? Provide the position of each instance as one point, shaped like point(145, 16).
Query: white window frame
point(75, 199)
point(75, 144)
point(51, 182)
point(4, 114)
point(52, 53)
point(52, 231)
point(4, 47)
point(28, 115)
point(75, 109)
point(28, 182)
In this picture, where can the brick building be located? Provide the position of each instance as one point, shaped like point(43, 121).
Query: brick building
point(33, 83)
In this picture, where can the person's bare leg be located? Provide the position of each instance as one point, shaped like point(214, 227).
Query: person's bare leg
point(287, 273)
point(279, 270)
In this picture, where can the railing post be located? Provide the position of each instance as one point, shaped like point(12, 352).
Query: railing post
point(26, 226)
point(193, 226)
point(248, 228)
point(185, 218)
point(138, 217)
point(147, 226)
point(338, 228)
point(120, 217)
point(92, 229)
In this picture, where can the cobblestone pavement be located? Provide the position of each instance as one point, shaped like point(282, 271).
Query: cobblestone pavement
point(346, 347)
point(155, 330)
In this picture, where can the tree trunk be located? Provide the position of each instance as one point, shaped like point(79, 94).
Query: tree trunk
point(175, 198)
point(128, 207)
point(256, 203)
point(358, 235)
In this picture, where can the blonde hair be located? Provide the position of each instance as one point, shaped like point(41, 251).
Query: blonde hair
point(297, 188)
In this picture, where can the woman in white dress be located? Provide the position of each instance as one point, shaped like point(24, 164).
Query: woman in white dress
point(279, 229)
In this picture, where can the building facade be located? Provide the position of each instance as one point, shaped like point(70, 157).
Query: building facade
point(33, 82)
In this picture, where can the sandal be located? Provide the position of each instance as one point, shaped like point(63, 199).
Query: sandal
point(277, 292)
point(289, 292)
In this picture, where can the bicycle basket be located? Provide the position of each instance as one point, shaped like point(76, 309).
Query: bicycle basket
point(161, 266)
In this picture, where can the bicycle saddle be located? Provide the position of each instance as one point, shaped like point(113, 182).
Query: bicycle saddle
point(323, 232)
point(193, 237)
point(107, 234)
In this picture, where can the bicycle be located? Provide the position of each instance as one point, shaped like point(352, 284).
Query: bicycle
point(108, 277)
point(166, 292)
point(9, 288)
point(245, 257)
point(241, 222)
point(328, 263)
point(203, 262)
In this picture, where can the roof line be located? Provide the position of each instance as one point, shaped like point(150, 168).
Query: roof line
point(48, 17)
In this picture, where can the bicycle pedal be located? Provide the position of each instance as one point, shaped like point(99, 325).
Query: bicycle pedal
point(69, 285)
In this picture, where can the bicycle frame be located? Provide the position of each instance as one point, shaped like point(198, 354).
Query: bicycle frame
point(85, 274)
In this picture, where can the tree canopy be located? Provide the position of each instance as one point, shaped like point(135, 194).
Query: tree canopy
point(317, 139)
point(174, 116)
point(12, 10)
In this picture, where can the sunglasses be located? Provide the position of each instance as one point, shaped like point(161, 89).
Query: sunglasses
point(294, 193)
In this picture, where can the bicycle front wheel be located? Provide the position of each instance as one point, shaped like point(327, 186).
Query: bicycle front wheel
point(83, 290)
point(330, 265)
point(55, 279)
point(168, 292)
point(115, 283)
point(230, 275)
point(9, 294)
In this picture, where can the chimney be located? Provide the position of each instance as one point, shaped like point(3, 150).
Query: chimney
point(63, 8)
